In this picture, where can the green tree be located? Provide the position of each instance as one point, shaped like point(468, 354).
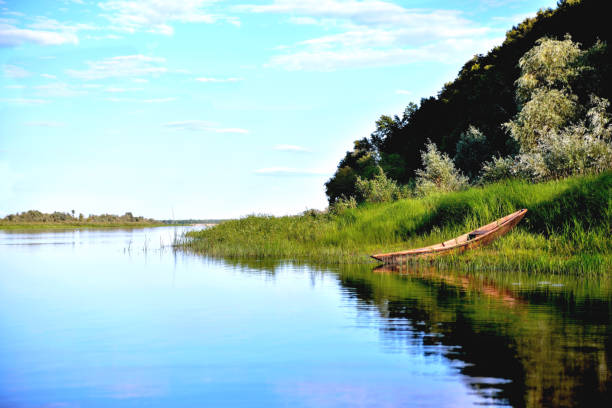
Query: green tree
point(558, 136)
point(544, 91)
point(361, 161)
point(550, 64)
point(472, 151)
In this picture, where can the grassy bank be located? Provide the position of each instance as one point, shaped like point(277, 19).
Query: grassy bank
point(567, 229)
point(74, 225)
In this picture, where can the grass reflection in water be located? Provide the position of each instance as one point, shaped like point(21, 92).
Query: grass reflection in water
point(526, 340)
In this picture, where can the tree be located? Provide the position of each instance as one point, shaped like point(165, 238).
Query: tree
point(483, 93)
point(544, 90)
point(558, 136)
point(472, 151)
point(550, 64)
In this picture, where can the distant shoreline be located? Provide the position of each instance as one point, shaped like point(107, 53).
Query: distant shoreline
point(77, 225)
point(97, 225)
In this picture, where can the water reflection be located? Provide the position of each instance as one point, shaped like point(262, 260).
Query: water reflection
point(524, 340)
point(117, 318)
point(531, 344)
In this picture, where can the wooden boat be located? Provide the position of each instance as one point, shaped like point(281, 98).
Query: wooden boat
point(472, 239)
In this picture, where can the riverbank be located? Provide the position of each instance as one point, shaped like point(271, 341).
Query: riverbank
point(567, 229)
point(75, 225)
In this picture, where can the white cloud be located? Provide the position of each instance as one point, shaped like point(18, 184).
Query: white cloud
point(290, 171)
point(57, 89)
point(512, 20)
point(121, 66)
point(140, 80)
point(49, 24)
point(201, 126)
point(291, 148)
point(159, 100)
point(11, 36)
point(13, 71)
point(157, 15)
point(303, 20)
point(219, 80)
point(120, 100)
point(372, 13)
point(48, 76)
point(375, 33)
point(15, 86)
point(192, 125)
point(23, 101)
point(152, 100)
point(326, 8)
point(356, 38)
point(113, 89)
point(104, 37)
point(403, 92)
point(229, 130)
point(327, 60)
point(45, 124)
point(13, 13)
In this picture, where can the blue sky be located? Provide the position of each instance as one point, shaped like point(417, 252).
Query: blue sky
point(213, 109)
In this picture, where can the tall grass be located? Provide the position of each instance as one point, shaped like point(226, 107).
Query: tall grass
point(567, 229)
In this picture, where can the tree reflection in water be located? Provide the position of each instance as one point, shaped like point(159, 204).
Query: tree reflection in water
point(517, 339)
point(534, 344)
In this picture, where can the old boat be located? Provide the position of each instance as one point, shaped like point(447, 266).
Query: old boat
point(472, 239)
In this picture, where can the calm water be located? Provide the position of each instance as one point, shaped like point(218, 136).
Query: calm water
point(107, 318)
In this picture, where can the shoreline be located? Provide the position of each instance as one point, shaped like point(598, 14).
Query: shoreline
point(69, 226)
point(567, 229)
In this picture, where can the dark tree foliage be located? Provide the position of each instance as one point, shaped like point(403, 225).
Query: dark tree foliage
point(482, 95)
point(359, 162)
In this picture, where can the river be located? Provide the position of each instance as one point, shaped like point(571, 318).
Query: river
point(116, 318)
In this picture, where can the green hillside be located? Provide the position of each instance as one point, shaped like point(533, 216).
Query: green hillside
point(567, 228)
point(483, 96)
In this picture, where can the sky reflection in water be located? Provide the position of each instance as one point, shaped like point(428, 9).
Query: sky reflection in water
point(101, 318)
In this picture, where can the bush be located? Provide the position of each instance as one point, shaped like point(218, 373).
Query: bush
point(380, 189)
point(342, 204)
point(439, 173)
point(531, 166)
point(314, 213)
point(472, 151)
point(499, 168)
point(582, 148)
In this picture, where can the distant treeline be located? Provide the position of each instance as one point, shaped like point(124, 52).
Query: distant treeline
point(191, 222)
point(34, 216)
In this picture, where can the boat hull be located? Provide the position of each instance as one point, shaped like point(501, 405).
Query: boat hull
point(474, 239)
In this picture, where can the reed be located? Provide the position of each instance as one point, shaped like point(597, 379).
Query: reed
point(567, 229)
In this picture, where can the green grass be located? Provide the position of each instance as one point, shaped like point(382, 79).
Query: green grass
point(567, 229)
point(74, 225)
